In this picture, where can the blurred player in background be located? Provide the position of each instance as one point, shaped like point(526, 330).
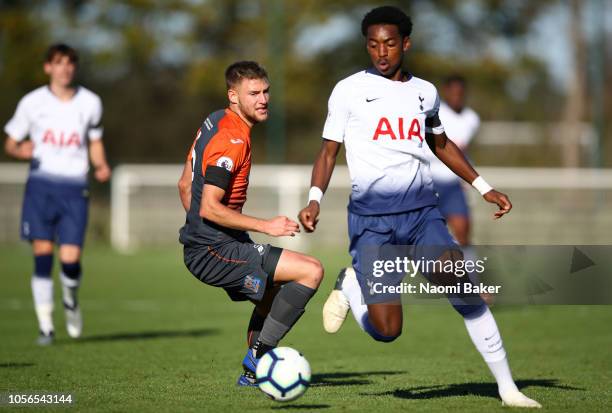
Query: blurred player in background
point(62, 121)
point(217, 248)
point(461, 124)
point(386, 117)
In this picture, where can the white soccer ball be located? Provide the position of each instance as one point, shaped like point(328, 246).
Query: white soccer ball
point(283, 374)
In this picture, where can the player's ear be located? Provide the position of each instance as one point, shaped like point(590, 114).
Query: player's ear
point(406, 44)
point(232, 96)
point(47, 68)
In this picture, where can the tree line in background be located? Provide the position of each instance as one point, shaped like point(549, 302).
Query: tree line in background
point(158, 65)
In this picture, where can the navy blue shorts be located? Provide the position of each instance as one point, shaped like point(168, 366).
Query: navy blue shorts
point(424, 235)
point(54, 211)
point(451, 199)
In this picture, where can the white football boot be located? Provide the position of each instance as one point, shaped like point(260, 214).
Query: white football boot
point(337, 305)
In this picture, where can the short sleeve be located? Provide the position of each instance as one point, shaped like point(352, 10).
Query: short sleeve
point(435, 108)
point(337, 114)
point(95, 123)
point(432, 122)
point(222, 159)
point(18, 127)
point(226, 152)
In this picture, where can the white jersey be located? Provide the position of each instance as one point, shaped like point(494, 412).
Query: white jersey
point(382, 124)
point(58, 129)
point(461, 129)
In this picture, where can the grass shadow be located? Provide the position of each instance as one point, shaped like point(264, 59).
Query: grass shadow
point(468, 389)
point(15, 365)
point(348, 379)
point(301, 407)
point(143, 335)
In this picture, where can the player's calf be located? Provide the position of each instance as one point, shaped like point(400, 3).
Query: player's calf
point(302, 276)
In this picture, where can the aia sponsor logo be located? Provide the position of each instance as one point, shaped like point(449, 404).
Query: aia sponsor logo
point(61, 139)
point(386, 129)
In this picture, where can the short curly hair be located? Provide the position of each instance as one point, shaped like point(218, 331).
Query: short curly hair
point(387, 15)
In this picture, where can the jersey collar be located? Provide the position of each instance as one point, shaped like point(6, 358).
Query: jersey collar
point(77, 89)
point(238, 121)
point(373, 71)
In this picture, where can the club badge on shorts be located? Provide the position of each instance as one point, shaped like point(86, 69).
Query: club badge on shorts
point(252, 283)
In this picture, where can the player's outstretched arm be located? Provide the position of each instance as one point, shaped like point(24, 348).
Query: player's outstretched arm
point(212, 209)
point(321, 174)
point(97, 154)
point(19, 150)
point(184, 185)
point(446, 150)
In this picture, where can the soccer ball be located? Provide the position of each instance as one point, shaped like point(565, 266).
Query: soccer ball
point(283, 374)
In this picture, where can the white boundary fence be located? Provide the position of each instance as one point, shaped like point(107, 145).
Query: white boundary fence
point(552, 206)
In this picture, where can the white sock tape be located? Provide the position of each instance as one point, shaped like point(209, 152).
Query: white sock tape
point(481, 185)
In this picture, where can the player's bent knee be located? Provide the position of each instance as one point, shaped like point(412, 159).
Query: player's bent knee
point(470, 310)
point(385, 335)
point(312, 271)
point(317, 272)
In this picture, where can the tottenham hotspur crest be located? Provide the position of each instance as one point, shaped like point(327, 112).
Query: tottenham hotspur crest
point(421, 99)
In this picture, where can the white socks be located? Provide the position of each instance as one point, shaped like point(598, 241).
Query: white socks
point(42, 292)
point(485, 335)
point(352, 291)
point(70, 288)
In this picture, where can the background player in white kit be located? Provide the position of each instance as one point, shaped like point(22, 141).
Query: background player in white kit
point(63, 123)
point(384, 115)
point(461, 124)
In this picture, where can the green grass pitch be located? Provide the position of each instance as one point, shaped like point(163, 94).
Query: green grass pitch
point(156, 339)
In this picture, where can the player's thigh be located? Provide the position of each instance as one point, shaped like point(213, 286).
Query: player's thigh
point(370, 241)
point(295, 266)
point(72, 222)
point(434, 243)
point(38, 214)
point(69, 253)
point(232, 266)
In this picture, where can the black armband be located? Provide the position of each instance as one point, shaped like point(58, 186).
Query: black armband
point(217, 176)
point(434, 125)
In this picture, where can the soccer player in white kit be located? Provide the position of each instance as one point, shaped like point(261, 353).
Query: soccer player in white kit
point(385, 117)
point(62, 121)
point(461, 124)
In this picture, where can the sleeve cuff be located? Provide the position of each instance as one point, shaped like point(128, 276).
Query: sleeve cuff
point(15, 133)
point(95, 134)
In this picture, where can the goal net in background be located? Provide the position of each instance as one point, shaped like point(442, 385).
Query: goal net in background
point(551, 206)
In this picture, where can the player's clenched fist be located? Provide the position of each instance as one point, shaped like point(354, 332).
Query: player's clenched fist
point(102, 173)
point(501, 200)
point(309, 216)
point(281, 226)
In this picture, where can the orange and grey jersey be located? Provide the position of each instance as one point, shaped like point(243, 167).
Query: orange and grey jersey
point(220, 156)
